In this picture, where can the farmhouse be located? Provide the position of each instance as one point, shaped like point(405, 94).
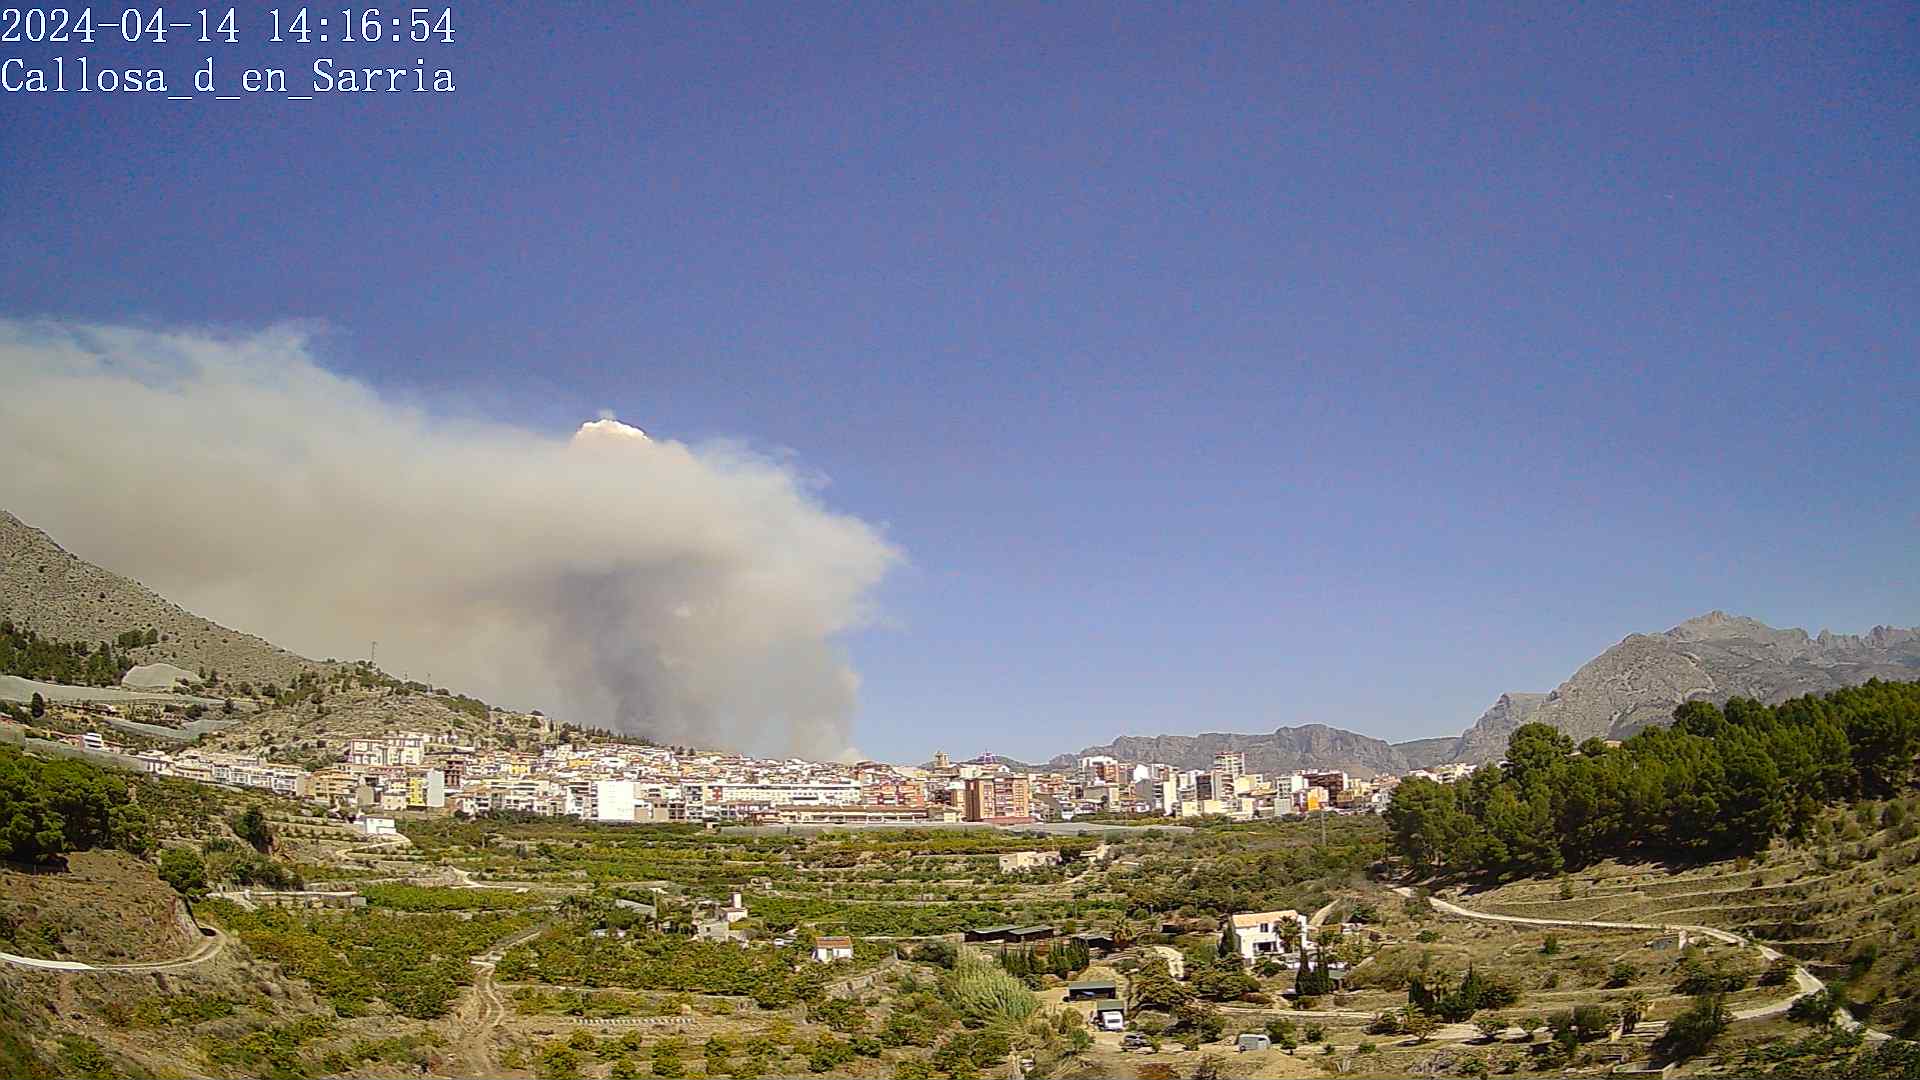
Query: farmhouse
point(1263, 934)
point(828, 949)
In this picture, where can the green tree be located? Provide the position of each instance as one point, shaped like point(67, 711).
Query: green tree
point(251, 825)
point(1693, 1031)
point(185, 870)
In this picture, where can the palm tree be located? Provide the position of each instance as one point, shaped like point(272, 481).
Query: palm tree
point(1633, 1008)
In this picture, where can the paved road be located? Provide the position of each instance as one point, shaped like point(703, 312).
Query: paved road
point(1804, 981)
point(208, 948)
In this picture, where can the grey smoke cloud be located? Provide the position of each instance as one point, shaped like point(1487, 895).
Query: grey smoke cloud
point(693, 594)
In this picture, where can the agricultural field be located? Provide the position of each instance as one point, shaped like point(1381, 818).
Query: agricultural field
point(278, 943)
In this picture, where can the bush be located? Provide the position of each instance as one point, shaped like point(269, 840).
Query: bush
point(1693, 1031)
point(1816, 1008)
point(983, 992)
point(185, 870)
point(251, 825)
point(1698, 977)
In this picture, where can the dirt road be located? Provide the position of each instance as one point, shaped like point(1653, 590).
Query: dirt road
point(1804, 981)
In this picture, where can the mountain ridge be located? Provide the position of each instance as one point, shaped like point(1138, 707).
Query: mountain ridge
point(1639, 681)
point(47, 589)
point(1634, 684)
point(1285, 749)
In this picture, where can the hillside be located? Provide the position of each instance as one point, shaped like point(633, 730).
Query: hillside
point(1842, 901)
point(1631, 686)
point(1426, 753)
point(46, 589)
point(359, 703)
point(1311, 746)
point(1713, 657)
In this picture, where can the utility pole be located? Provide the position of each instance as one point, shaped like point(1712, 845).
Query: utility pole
point(373, 654)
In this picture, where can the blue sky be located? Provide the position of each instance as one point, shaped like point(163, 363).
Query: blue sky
point(1216, 369)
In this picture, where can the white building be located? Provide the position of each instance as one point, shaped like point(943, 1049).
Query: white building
point(1161, 796)
point(376, 826)
point(1263, 934)
point(613, 800)
point(828, 949)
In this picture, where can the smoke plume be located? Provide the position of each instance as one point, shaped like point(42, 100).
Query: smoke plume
point(692, 594)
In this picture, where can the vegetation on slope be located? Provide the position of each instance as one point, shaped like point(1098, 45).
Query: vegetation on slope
point(48, 808)
point(1718, 782)
point(27, 654)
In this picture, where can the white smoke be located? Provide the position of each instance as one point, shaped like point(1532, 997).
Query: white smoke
point(689, 594)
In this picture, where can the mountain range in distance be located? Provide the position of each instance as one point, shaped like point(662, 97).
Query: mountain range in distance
point(1633, 685)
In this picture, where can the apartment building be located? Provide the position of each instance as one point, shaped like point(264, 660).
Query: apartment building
point(998, 797)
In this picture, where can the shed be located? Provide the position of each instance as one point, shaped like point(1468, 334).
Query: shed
point(1092, 990)
point(1253, 1040)
point(1095, 940)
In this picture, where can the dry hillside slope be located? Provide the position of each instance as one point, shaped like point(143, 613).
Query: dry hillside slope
point(48, 590)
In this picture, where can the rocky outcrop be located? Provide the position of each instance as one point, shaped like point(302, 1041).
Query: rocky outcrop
point(1714, 657)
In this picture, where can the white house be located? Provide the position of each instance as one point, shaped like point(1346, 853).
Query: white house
point(376, 826)
point(1264, 934)
point(828, 949)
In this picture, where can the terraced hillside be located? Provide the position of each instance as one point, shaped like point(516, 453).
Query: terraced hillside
point(1844, 902)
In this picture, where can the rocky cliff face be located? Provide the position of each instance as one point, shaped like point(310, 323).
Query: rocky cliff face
point(1311, 746)
point(1714, 657)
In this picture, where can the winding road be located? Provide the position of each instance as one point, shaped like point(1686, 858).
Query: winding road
point(1805, 982)
point(209, 947)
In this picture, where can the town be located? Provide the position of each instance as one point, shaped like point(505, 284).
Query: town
point(627, 781)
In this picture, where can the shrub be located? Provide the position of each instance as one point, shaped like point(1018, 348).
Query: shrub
point(981, 991)
point(1816, 1008)
point(1778, 973)
point(185, 870)
point(1693, 1031)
